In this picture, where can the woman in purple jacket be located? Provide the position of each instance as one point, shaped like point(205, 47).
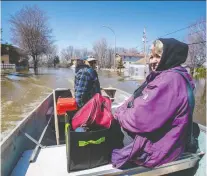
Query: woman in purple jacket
point(155, 119)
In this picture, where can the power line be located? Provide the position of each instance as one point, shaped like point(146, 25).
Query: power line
point(180, 30)
point(177, 31)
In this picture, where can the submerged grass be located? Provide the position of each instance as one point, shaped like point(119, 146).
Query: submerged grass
point(200, 73)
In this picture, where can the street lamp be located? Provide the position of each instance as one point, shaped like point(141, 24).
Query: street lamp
point(114, 44)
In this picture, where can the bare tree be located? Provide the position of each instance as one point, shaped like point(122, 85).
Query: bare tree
point(133, 51)
point(121, 50)
point(105, 53)
point(68, 53)
point(197, 46)
point(31, 32)
point(1, 35)
point(51, 53)
point(110, 57)
point(77, 53)
point(84, 52)
point(100, 50)
point(125, 50)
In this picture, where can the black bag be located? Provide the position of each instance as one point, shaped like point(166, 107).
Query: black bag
point(87, 150)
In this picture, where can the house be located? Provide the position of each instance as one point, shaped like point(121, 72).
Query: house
point(137, 71)
point(14, 55)
point(73, 61)
point(136, 66)
point(5, 59)
point(4, 54)
point(128, 58)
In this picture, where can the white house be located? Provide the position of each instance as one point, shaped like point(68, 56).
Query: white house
point(134, 64)
point(137, 71)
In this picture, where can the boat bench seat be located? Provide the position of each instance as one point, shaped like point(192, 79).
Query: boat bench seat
point(106, 95)
point(185, 161)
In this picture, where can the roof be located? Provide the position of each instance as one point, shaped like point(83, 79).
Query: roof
point(143, 61)
point(130, 57)
point(140, 55)
point(5, 49)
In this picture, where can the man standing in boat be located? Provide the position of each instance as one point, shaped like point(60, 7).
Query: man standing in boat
point(86, 80)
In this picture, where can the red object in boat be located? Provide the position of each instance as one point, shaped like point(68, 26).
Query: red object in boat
point(96, 111)
point(66, 104)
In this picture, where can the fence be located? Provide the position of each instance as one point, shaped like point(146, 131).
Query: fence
point(7, 66)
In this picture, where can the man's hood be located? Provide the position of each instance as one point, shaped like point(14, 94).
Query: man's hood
point(174, 54)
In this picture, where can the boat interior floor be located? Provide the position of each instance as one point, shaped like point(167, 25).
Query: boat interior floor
point(51, 161)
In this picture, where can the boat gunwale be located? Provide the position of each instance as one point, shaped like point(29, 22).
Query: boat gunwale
point(202, 127)
point(22, 123)
point(126, 93)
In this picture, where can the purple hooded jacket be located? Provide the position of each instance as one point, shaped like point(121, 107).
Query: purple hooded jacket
point(158, 120)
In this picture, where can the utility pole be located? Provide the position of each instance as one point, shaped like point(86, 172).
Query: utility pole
point(145, 55)
point(144, 43)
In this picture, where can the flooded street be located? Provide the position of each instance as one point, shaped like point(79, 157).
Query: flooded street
point(20, 95)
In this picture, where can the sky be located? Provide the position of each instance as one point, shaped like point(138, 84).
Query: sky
point(80, 23)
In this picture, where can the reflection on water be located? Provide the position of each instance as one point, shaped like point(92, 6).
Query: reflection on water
point(20, 95)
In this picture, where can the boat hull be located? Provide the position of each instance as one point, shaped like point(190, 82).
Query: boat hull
point(16, 143)
point(13, 146)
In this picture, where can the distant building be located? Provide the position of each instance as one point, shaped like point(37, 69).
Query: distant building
point(14, 55)
point(73, 61)
point(128, 58)
point(137, 71)
point(136, 66)
point(5, 59)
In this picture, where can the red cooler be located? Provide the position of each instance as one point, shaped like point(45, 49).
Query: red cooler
point(66, 104)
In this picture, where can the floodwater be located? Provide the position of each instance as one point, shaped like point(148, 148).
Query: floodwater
point(20, 95)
